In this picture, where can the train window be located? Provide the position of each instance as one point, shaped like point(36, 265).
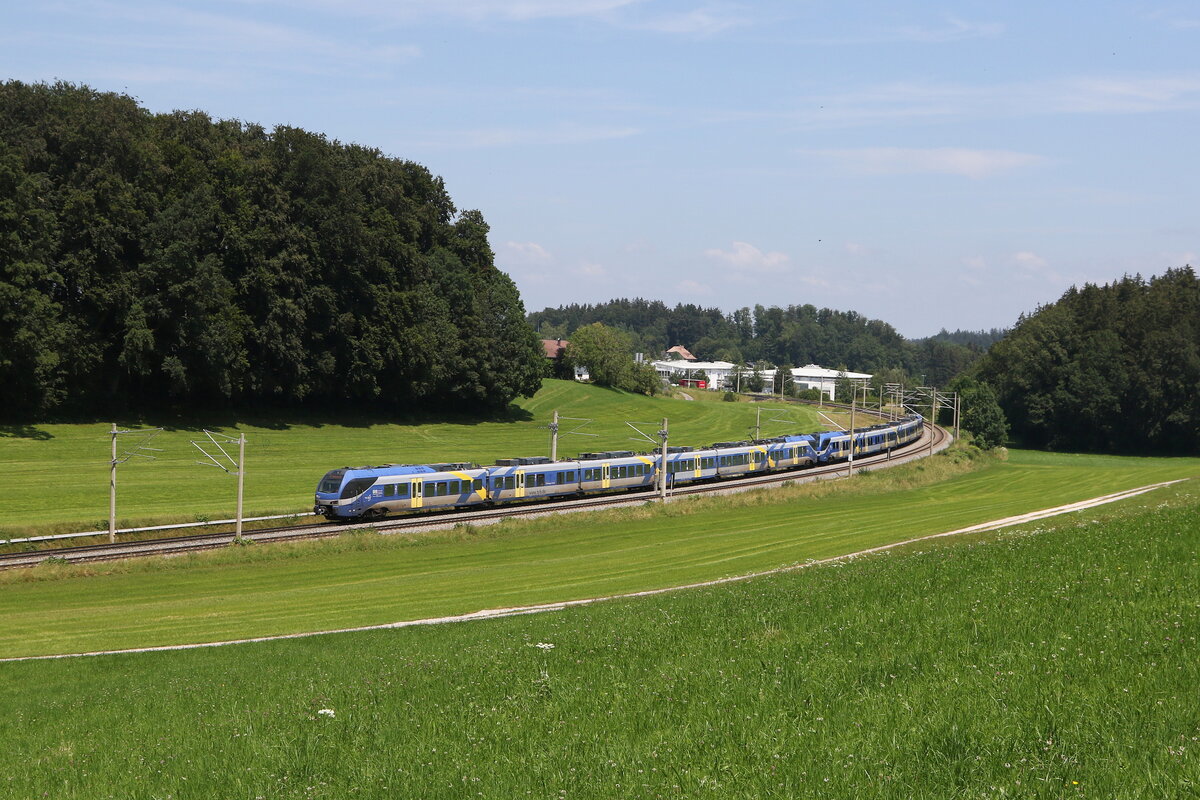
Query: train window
point(356, 487)
point(331, 481)
point(539, 479)
point(389, 490)
point(402, 490)
point(570, 476)
point(442, 489)
point(477, 484)
point(510, 482)
point(430, 490)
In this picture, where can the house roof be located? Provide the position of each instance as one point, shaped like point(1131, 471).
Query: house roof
point(553, 348)
point(682, 352)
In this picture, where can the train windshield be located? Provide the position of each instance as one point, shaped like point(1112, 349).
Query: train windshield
point(331, 482)
point(356, 487)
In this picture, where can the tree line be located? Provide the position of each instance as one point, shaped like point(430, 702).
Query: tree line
point(795, 335)
point(151, 260)
point(1112, 368)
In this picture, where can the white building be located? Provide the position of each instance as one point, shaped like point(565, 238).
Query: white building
point(811, 376)
point(713, 375)
point(722, 375)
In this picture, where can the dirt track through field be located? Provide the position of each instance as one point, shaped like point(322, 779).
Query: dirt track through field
point(492, 613)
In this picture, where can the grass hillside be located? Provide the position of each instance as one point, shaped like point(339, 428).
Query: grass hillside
point(60, 473)
point(1057, 660)
point(368, 579)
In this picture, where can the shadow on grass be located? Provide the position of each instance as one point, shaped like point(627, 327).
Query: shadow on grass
point(283, 419)
point(24, 432)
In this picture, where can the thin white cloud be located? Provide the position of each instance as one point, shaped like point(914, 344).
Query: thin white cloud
point(926, 102)
point(697, 22)
point(746, 257)
point(856, 249)
point(691, 287)
point(591, 270)
point(943, 160)
point(267, 45)
point(569, 133)
point(1178, 259)
point(1030, 261)
point(526, 253)
point(953, 31)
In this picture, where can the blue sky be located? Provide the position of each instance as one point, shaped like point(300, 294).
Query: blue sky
point(929, 164)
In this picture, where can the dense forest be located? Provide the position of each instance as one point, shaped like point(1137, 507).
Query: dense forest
point(152, 260)
point(795, 336)
point(1111, 368)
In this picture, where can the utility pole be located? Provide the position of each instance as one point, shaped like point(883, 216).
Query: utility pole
point(663, 460)
point(932, 415)
point(239, 467)
point(112, 490)
point(241, 480)
point(850, 460)
point(554, 437)
point(147, 435)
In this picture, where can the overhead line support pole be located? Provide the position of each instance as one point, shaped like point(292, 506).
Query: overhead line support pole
point(663, 461)
point(112, 489)
point(554, 437)
point(241, 481)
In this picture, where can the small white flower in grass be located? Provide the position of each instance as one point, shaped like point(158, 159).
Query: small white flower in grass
point(326, 712)
point(543, 646)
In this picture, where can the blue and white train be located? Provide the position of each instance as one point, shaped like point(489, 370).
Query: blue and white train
point(365, 493)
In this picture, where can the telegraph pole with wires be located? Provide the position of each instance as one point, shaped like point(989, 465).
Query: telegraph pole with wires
point(554, 428)
point(141, 450)
point(238, 467)
point(663, 436)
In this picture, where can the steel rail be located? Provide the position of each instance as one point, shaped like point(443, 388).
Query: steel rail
point(477, 516)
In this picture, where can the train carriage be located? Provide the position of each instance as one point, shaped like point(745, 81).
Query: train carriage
point(789, 452)
point(685, 465)
point(740, 458)
point(522, 478)
point(615, 470)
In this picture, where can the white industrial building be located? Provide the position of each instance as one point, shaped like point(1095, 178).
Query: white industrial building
point(722, 375)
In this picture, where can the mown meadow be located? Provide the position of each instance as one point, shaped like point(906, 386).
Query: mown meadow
point(60, 472)
point(365, 578)
point(1056, 660)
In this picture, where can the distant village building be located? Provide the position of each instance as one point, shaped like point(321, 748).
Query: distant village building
point(678, 352)
point(555, 350)
point(723, 375)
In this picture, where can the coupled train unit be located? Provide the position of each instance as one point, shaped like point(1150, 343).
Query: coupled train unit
point(368, 493)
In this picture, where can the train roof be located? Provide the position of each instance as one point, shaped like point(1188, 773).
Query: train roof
point(401, 469)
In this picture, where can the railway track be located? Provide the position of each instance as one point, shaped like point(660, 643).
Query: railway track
point(480, 516)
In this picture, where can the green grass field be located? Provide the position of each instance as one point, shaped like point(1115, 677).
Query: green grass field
point(1052, 661)
point(61, 472)
point(368, 579)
